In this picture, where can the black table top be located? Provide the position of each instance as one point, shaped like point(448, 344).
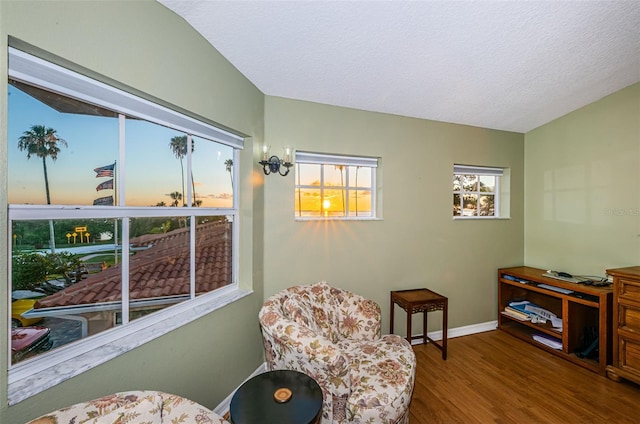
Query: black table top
point(254, 401)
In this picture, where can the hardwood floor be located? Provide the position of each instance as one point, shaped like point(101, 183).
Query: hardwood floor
point(495, 378)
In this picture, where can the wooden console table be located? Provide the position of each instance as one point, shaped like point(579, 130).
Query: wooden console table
point(421, 300)
point(580, 307)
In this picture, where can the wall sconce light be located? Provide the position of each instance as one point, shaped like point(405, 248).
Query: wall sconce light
point(273, 164)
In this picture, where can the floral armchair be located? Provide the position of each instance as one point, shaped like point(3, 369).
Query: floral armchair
point(334, 336)
point(133, 407)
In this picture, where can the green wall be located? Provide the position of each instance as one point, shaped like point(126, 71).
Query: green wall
point(582, 203)
point(417, 243)
point(144, 45)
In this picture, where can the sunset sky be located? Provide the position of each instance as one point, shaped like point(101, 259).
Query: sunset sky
point(152, 170)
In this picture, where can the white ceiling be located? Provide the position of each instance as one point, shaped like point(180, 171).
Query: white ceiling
point(510, 65)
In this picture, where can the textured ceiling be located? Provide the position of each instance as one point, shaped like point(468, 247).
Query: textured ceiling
point(510, 65)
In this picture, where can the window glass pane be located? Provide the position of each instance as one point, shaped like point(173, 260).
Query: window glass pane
point(308, 202)
point(456, 204)
point(159, 263)
point(486, 205)
point(156, 165)
point(75, 291)
point(469, 204)
point(360, 203)
point(334, 175)
point(307, 174)
point(334, 202)
point(212, 174)
point(469, 182)
point(213, 253)
point(360, 176)
point(55, 143)
point(457, 182)
point(487, 183)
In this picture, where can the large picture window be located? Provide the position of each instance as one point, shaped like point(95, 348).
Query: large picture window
point(118, 208)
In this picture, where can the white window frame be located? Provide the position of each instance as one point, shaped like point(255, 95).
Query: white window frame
point(302, 157)
point(481, 171)
point(37, 374)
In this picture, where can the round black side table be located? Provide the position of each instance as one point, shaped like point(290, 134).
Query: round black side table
point(277, 397)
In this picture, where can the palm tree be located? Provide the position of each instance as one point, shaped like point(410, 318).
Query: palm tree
point(229, 166)
point(178, 145)
point(344, 205)
point(42, 142)
point(357, 168)
point(176, 196)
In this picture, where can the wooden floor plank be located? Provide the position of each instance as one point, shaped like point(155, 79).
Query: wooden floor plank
point(493, 377)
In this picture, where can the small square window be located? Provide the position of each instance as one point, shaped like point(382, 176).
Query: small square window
point(476, 191)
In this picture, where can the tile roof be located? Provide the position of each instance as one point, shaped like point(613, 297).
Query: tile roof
point(159, 268)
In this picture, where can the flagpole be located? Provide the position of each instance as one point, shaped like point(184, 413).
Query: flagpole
point(115, 221)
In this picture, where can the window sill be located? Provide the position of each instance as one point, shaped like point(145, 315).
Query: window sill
point(336, 218)
point(34, 376)
point(481, 218)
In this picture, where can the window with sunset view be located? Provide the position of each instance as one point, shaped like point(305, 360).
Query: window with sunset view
point(335, 186)
point(118, 208)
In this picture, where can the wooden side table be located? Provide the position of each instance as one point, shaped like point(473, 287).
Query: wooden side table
point(280, 396)
point(421, 300)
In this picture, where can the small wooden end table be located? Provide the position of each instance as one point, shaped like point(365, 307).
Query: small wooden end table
point(280, 396)
point(421, 300)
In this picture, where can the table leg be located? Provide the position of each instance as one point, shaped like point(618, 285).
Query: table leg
point(444, 330)
point(409, 313)
point(391, 317)
point(424, 327)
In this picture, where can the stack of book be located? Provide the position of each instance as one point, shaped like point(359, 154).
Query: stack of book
point(527, 311)
point(517, 310)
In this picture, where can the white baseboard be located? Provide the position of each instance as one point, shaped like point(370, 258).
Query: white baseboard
point(459, 331)
point(223, 407)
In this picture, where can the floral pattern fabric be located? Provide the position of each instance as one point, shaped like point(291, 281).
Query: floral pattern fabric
point(140, 407)
point(333, 336)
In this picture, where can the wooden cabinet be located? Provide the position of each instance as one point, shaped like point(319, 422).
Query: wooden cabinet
point(585, 311)
point(626, 324)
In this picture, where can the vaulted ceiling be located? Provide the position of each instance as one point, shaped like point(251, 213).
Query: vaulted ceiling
point(509, 65)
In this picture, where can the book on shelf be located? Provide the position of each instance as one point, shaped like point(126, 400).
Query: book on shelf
point(517, 314)
point(548, 341)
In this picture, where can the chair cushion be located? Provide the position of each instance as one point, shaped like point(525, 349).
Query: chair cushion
point(176, 409)
point(144, 410)
point(95, 409)
point(140, 407)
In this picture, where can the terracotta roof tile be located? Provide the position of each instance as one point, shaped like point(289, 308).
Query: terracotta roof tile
point(161, 270)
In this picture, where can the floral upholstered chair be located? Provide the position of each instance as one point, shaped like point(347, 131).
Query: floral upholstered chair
point(141, 406)
point(334, 336)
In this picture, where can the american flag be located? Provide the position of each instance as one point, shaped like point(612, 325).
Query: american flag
point(103, 201)
point(105, 171)
point(105, 185)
